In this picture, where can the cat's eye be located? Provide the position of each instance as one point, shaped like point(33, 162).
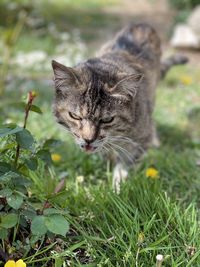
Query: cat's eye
point(74, 116)
point(106, 120)
point(63, 124)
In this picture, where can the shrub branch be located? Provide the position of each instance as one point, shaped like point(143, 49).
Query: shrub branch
point(31, 96)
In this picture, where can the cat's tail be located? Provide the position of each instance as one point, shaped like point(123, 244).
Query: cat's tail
point(169, 62)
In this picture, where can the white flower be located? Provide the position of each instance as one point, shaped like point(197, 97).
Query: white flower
point(64, 36)
point(159, 257)
point(80, 179)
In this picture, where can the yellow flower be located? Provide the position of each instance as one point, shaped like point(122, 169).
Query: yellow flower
point(31, 96)
point(10, 263)
point(34, 93)
point(140, 238)
point(19, 263)
point(152, 173)
point(56, 157)
point(186, 79)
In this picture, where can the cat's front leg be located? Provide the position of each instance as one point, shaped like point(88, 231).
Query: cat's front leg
point(155, 141)
point(131, 155)
point(120, 174)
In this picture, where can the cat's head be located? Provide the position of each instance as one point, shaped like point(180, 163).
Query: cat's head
point(94, 104)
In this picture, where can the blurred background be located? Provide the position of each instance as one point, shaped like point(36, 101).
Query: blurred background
point(35, 32)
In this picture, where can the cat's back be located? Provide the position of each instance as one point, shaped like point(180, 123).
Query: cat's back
point(139, 41)
point(136, 47)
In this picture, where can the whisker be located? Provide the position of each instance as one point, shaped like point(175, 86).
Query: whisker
point(110, 147)
point(125, 152)
point(118, 154)
point(118, 149)
point(124, 139)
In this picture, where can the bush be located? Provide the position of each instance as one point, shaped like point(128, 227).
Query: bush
point(28, 217)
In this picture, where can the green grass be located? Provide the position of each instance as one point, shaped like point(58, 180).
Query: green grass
point(111, 225)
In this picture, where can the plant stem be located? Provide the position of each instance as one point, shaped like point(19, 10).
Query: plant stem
point(159, 260)
point(18, 146)
point(17, 155)
point(31, 97)
point(28, 106)
point(137, 256)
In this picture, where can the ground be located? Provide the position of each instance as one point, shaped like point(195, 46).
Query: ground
point(152, 215)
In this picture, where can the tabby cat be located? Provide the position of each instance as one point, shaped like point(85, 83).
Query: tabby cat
point(107, 101)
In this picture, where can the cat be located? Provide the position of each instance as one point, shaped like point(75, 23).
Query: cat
point(107, 101)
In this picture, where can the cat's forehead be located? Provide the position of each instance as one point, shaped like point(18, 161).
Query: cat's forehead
point(94, 100)
point(89, 111)
point(101, 70)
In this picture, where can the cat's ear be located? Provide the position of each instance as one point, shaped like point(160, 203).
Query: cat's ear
point(127, 86)
point(64, 77)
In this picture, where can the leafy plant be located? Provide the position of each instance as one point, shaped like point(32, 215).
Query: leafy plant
point(27, 218)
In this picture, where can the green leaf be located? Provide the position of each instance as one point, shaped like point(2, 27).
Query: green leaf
point(24, 139)
point(38, 227)
point(36, 109)
point(29, 214)
point(8, 221)
point(15, 201)
point(45, 155)
point(4, 168)
point(7, 176)
point(22, 106)
point(23, 222)
point(16, 178)
point(3, 233)
point(9, 130)
point(6, 192)
point(52, 143)
point(32, 163)
point(59, 198)
point(59, 262)
point(50, 211)
point(34, 239)
point(20, 181)
point(57, 224)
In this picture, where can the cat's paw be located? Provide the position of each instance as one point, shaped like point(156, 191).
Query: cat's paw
point(120, 174)
point(156, 142)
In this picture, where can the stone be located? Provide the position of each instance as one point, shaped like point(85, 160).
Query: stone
point(194, 20)
point(185, 37)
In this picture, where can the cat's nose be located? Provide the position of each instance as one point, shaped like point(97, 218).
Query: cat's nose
point(89, 141)
point(89, 131)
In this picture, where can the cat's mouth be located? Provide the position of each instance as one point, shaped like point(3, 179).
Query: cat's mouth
point(89, 148)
